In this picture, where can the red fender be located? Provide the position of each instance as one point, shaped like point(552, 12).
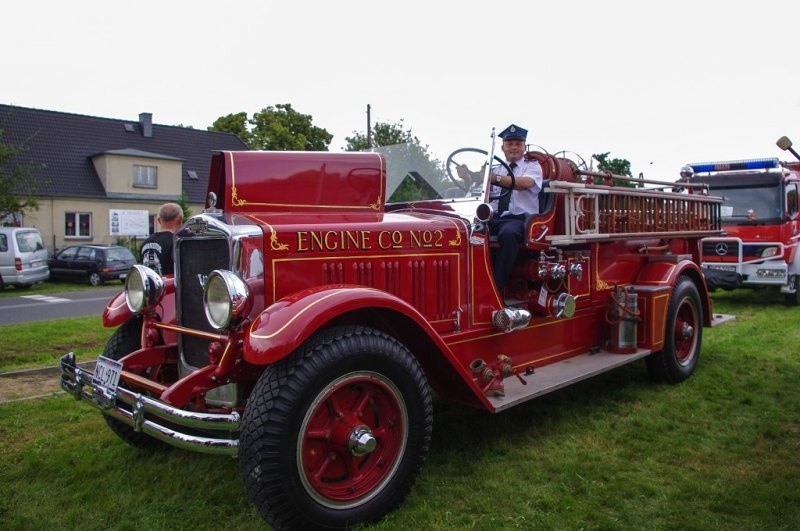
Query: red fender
point(279, 329)
point(666, 273)
point(116, 311)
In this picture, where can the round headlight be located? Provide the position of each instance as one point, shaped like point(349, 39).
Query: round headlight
point(143, 288)
point(769, 251)
point(226, 299)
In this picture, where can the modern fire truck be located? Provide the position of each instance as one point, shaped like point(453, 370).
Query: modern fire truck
point(309, 319)
point(761, 220)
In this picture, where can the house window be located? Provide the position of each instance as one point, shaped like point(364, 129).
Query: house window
point(78, 224)
point(145, 176)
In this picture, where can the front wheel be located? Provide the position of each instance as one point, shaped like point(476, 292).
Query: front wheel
point(683, 336)
point(125, 340)
point(336, 433)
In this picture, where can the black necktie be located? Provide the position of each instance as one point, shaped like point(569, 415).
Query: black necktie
point(502, 204)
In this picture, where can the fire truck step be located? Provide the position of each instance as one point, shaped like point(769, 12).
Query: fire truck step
point(561, 374)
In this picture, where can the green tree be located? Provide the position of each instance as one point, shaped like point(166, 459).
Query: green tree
point(383, 134)
point(278, 128)
point(616, 166)
point(17, 186)
point(233, 123)
point(412, 187)
point(183, 201)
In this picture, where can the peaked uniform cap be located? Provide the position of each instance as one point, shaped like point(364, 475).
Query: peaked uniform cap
point(514, 132)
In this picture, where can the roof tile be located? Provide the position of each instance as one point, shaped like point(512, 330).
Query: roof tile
point(61, 146)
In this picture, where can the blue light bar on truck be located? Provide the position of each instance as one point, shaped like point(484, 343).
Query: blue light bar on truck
point(730, 165)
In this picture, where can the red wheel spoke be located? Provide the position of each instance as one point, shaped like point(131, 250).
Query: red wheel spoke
point(354, 474)
point(319, 433)
point(316, 475)
point(382, 433)
point(334, 407)
point(363, 403)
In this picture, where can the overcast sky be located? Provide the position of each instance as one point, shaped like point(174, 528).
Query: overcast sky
point(658, 83)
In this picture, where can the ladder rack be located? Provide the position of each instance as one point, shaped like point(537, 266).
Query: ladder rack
point(597, 212)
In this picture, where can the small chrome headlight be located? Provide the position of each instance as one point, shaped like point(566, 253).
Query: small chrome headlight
point(143, 288)
point(769, 251)
point(226, 299)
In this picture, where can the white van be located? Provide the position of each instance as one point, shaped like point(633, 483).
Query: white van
point(23, 257)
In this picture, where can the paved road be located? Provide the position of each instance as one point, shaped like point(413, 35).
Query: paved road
point(30, 308)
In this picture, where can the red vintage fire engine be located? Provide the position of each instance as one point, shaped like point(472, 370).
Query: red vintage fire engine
point(761, 219)
point(309, 319)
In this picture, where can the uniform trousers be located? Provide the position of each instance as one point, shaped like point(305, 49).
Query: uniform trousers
point(509, 231)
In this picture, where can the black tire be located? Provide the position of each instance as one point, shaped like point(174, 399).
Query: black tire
point(297, 456)
point(125, 340)
point(95, 279)
point(683, 335)
point(2, 284)
point(793, 299)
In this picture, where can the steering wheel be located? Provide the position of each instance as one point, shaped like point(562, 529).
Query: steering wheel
point(460, 183)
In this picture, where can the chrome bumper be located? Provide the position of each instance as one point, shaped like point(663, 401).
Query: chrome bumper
point(153, 417)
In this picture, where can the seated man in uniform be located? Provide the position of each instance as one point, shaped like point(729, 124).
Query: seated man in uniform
point(508, 222)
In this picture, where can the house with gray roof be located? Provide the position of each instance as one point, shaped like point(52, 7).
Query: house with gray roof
point(102, 179)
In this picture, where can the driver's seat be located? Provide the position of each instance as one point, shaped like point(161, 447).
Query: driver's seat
point(546, 201)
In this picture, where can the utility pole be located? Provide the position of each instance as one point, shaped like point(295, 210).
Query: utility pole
point(369, 128)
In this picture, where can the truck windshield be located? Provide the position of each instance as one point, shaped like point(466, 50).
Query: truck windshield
point(748, 204)
point(413, 173)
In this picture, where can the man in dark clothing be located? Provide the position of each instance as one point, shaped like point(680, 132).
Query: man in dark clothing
point(157, 252)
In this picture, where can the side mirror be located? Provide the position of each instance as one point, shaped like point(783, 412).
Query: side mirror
point(785, 144)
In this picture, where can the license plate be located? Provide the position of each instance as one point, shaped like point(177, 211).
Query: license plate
point(106, 373)
point(722, 267)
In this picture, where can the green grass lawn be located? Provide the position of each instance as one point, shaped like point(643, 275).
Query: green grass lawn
point(719, 451)
point(41, 344)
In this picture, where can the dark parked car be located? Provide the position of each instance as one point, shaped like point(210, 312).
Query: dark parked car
point(95, 263)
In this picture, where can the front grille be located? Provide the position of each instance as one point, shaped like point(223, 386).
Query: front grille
point(197, 258)
point(721, 250)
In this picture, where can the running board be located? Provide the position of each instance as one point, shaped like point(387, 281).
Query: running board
point(561, 374)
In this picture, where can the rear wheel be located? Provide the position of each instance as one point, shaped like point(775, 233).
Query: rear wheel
point(336, 433)
point(793, 299)
point(684, 334)
point(95, 279)
point(125, 340)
